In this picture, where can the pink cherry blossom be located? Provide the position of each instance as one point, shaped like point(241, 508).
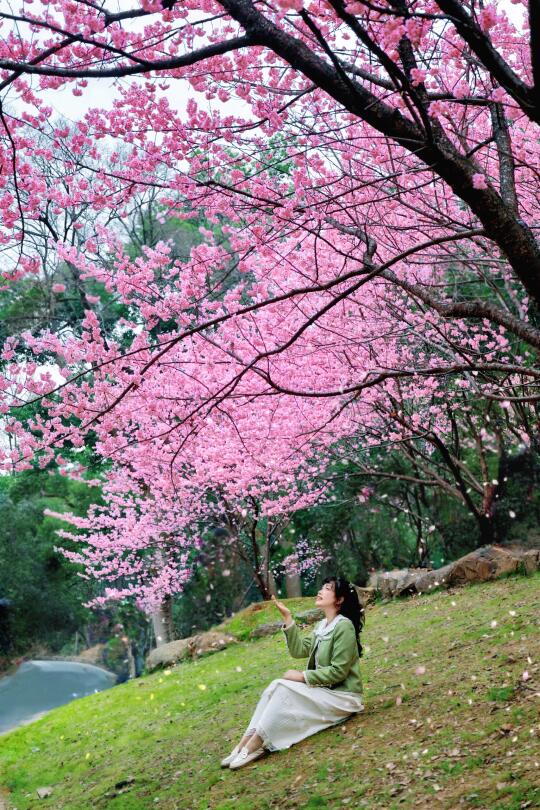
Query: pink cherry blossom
point(353, 279)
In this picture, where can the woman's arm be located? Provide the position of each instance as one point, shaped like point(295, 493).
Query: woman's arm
point(298, 647)
point(343, 654)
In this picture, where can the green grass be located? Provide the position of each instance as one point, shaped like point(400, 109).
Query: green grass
point(466, 733)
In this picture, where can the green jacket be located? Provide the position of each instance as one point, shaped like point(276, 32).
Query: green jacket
point(338, 661)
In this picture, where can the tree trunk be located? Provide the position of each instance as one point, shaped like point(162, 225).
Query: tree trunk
point(487, 530)
point(293, 582)
point(162, 622)
point(268, 576)
point(272, 586)
point(293, 585)
point(132, 666)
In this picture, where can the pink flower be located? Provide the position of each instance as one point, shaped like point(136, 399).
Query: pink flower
point(438, 108)
point(355, 8)
point(487, 18)
point(418, 76)
point(58, 288)
point(498, 94)
point(295, 5)
point(479, 180)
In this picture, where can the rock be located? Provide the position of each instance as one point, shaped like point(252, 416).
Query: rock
point(43, 792)
point(395, 583)
point(481, 565)
point(433, 579)
point(531, 560)
point(210, 641)
point(113, 656)
point(266, 630)
point(310, 616)
point(167, 654)
point(491, 562)
point(194, 646)
point(365, 595)
point(255, 607)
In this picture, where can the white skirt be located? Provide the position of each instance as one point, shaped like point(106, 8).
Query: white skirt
point(288, 711)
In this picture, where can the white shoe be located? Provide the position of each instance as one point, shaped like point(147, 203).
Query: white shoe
point(245, 756)
point(227, 761)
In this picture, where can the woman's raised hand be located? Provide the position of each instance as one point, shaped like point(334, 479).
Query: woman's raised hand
point(285, 612)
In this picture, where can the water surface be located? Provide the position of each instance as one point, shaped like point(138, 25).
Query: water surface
point(38, 686)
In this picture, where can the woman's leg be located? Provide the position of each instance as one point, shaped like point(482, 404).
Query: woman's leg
point(254, 742)
point(244, 740)
point(251, 738)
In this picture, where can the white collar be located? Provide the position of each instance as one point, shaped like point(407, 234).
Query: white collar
point(324, 629)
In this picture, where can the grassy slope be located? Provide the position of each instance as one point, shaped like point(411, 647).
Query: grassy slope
point(466, 734)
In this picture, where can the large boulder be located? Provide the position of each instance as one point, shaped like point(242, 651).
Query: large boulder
point(266, 630)
point(481, 565)
point(167, 654)
point(192, 647)
point(491, 562)
point(395, 583)
point(115, 656)
point(531, 560)
point(95, 655)
point(309, 616)
point(438, 578)
point(365, 595)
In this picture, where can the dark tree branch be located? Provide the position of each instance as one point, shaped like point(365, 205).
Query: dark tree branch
point(450, 309)
point(507, 168)
point(481, 45)
point(209, 51)
point(511, 234)
point(534, 25)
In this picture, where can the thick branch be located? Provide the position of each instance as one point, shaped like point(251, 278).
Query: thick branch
point(469, 309)
point(512, 235)
point(481, 45)
point(534, 25)
point(507, 168)
point(209, 51)
point(451, 309)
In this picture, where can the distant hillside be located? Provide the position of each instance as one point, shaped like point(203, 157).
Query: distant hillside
point(463, 733)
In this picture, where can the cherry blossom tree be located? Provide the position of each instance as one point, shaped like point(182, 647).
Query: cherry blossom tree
point(383, 247)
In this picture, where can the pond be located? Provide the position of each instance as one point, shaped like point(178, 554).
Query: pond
point(38, 686)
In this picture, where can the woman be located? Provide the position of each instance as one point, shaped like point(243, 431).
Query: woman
point(326, 693)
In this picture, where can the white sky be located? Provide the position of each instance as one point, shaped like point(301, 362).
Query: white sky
point(101, 92)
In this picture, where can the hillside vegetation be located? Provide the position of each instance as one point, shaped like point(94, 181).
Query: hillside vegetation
point(464, 732)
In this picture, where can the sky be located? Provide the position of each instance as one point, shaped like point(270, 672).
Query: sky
point(102, 92)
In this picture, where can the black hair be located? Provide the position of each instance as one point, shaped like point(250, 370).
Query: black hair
point(350, 607)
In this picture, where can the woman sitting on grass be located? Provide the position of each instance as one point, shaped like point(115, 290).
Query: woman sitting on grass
point(326, 693)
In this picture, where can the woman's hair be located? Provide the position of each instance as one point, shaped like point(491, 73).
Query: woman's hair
point(350, 607)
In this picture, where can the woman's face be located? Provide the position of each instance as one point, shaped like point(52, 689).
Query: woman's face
point(326, 596)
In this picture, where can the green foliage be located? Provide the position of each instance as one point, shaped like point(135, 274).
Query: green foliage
point(358, 536)
point(208, 598)
point(45, 593)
